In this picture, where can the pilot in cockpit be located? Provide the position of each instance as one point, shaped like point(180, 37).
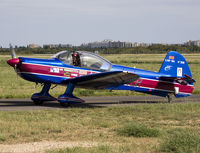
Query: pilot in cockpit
point(76, 59)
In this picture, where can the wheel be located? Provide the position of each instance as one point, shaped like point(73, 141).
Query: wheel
point(169, 97)
point(38, 102)
point(64, 104)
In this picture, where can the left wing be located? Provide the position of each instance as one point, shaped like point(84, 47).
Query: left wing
point(103, 80)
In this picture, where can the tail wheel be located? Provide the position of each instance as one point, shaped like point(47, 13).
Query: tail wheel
point(169, 98)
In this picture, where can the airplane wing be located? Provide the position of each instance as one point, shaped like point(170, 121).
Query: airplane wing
point(103, 80)
point(181, 80)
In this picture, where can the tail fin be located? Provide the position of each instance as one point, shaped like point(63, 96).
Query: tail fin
point(175, 65)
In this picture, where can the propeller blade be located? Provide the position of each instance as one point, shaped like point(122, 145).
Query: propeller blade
point(15, 68)
point(14, 61)
point(12, 51)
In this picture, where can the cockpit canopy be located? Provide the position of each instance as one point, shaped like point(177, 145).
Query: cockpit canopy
point(86, 60)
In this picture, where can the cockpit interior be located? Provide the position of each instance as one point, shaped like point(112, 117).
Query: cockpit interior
point(84, 59)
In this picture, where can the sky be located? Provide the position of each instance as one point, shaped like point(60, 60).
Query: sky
point(23, 22)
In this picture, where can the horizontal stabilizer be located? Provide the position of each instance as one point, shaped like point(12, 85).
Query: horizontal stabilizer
point(181, 80)
point(103, 80)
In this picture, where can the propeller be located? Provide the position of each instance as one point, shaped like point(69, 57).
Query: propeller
point(14, 61)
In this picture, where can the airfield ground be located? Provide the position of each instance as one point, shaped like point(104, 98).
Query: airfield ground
point(120, 128)
point(93, 127)
point(92, 102)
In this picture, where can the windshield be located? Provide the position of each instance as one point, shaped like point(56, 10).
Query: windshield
point(83, 59)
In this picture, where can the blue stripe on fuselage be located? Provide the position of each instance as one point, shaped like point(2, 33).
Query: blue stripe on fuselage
point(140, 72)
point(48, 62)
point(42, 78)
point(52, 62)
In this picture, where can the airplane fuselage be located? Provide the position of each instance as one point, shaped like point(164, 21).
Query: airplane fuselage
point(55, 72)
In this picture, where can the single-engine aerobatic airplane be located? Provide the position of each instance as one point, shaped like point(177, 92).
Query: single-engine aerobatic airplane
point(87, 70)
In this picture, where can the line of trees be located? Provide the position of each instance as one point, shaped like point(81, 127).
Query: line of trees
point(154, 49)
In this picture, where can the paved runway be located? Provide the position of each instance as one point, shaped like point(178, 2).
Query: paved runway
point(26, 104)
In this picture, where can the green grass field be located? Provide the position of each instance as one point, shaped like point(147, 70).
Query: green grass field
point(153, 128)
point(13, 86)
point(137, 128)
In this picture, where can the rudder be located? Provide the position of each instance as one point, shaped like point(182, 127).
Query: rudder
point(175, 65)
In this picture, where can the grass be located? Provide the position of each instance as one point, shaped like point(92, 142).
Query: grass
point(181, 141)
point(12, 86)
point(136, 128)
point(98, 149)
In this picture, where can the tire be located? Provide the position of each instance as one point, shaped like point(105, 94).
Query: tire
point(64, 104)
point(169, 98)
point(38, 102)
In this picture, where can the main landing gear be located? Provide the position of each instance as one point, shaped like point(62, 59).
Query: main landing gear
point(68, 98)
point(65, 100)
point(39, 98)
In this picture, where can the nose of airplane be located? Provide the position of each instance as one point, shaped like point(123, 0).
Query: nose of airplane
point(12, 62)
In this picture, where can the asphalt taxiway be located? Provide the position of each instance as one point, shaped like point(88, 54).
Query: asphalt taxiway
point(27, 104)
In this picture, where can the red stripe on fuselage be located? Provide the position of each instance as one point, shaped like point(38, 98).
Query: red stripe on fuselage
point(72, 72)
point(41, 69)
point(161, 85)
point(53, 70)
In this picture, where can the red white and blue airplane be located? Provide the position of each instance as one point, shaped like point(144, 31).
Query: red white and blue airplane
point(88, 70)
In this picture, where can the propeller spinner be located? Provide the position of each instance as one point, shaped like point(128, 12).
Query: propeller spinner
point(14, 61)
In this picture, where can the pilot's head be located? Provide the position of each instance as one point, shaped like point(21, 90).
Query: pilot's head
point(74, 54)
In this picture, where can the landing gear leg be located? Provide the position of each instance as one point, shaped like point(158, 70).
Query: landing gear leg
point(169, 98)
point(39, 98)
point(68, 98)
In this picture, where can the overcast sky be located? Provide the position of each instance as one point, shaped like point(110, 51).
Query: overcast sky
point(77, 21)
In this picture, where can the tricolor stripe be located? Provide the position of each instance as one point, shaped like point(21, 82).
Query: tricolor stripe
point(146, 83)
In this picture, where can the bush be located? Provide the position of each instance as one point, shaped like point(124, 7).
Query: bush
point(137, 130)
point(181, 141)
point(2, 138)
